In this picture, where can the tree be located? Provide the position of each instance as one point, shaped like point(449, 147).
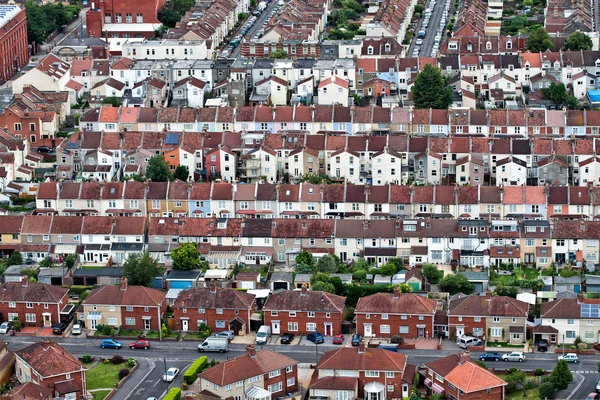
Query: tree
point(481, 363)
point(46, 263)
point(323, 286)
point(168, 16)
point(326, 264)
point(539, 41)
point(185, 257)
point(15, 259)
point(305, 258)
point(457, 283)
point(182, 173)
point(278, 54)
point(388, 269)
point(546, 390)
point(557, 92)
point(431, 89)
point(578, 41)
point(432, 273)
point(141, 269)
point(516, 379)
point(70, 261)
point(561, 376)
point(113, 101)
point(404, 288)
point(158, 169)
point(572, 102)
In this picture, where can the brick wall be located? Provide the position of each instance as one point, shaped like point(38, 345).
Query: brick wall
point(210, 317)
point(395, 322)
point(302, 319)
point(138, 313)
point(13, 46)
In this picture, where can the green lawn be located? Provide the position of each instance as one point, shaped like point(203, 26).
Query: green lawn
point(532, 394)
point(100, 394)
point(103, 375)
point(530, 273)
point(504, 344)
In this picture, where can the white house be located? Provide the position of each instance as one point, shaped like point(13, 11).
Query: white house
point(386, 167)
point(511, 171)
point(333, 90)
point(189, 92)
point(51, 74)
point(345, 163)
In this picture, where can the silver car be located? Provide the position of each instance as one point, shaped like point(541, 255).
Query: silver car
point(514, 356)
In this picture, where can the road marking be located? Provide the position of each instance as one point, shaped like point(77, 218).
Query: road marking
point(142, 380)
point(576, 388)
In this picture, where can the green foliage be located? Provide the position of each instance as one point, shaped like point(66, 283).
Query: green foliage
point(324, 287)
point(546, 390)
point(539, 41)
point(572, 102)
point(436, 396)
point(518, 24)
point(278, 54)
point(404, 288)
point(69, 261)
point(578, 41)
point(388, 269)
point(131, 362)
point(158, 169)
point(86, 358)
point(123, 372)
point(113, 101)
point(197, 367)
point(46, 263)
point(163, 330)
point(15, 259)
point(431, 89)
point(516, 381)
point(419, 9)
point(315, 179)
point(353, 292)
point(432, 273)
point(305, 258)
point(457, 283)
point(510, 291)
point(45, 19)
point(566, 272)
point(538, 372)
point(182, 173)
point(204, 330)
point(304, 269)
point(17, 325)
point(557, 92)
point(185, 257)
point(242, 16)
point(359, 275)
point(561, 376)
point(106, 330)
point(577, 341)
point(117, 359)
point(481, 363)
point(327, 264)
point(174, 394)
point(141, 269)
point(172, 12)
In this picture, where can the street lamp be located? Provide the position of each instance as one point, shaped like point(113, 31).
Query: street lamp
point(563, 345)
point(316, 353)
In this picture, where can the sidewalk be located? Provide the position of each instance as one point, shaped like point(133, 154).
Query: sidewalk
point(138, 376)
point(572, 389)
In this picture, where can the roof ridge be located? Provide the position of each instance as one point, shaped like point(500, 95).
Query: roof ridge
point(330, 300)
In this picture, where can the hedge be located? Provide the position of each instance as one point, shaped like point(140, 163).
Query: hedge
point(78, 289)
point(192, 372)
point(174, 394)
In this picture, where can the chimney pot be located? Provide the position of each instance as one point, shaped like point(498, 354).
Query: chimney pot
point(251, 350)
point(24, 280)
point(361, 347)
point(213, 286)
point(396, 292)
point(304, 290)
point(488, 295)
point(580, 297)
point(123, 283)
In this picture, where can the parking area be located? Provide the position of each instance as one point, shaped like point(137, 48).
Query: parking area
point(431, 28)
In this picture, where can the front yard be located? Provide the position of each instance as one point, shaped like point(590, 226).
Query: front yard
point(101, 378)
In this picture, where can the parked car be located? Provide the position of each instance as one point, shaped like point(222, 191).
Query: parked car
point(467, 341)
point(5, 327)
point(338, 339)
point(44, 149)
point(419, 42)
point(59, 328)
point(171, 374)
point(287, 338)
point(592, 396)
point(356, 340)
point(514, 356)
point(569, 357)
point(140, 344)
point(597, 346)
point(315, 337)
point(110, 344)
point(490, 357)
point(225, 334)
point(77, 329)
point(542, 345)
point(598, 387)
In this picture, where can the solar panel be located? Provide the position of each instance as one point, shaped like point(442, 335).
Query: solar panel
point(590, 311)
point(72, 145)
point(172, 138)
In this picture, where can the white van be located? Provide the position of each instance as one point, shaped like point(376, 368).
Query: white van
point(213, 343)
point(263, 334)
point(466, 341)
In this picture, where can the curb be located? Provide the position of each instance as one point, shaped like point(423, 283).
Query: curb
point(570, 396)
point(122, 381)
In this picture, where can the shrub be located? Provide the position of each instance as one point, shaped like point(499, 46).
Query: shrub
point(131, 362)
point(577, 341)
point(117, 359)
point(174, 394)
point(546, 390)
point(397, 339)
point(529, 384)
point(512, 370)
point(538, 372)
point(17, 324)
point(106, 361)
point(192, 372)
point(184, 386)
point(86, 358)
point(106, 330)
point(582, 346)
point(123, 373)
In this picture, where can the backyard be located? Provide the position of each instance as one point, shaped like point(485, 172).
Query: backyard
point(527, 273)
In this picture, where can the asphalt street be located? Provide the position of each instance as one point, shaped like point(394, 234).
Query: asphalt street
point(262, 17)
point(148, 378)
point(432, 28)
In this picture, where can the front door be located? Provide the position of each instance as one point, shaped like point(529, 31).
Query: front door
point(368, 328)
point(184, 325)
point(460, 331)
point(328, 329)
point(147, 324)
point(93, 324)
point(421, 332)
point(276, 327)
point(553, 338)
point(47, 320)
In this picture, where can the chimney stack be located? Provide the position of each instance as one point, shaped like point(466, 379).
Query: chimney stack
point(251, 350)
point(304, 290)
point(396, 292)
point(213, 286)
point(488, 295)
point(361, 347)
point(123, 283)
point(580, 297)
point(464, 357)
point(24, 280)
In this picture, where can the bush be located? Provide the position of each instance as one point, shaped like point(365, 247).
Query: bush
point(86, 358)
point(582, 346)
point(106, 330)
point(546, 390)
point(397, 339)
point(131, 362)
point(117, 359)
point(17, 325)
point(538, 372)
point(106, 361)
point(192, 372)
point(123, 373)
point(174, 394)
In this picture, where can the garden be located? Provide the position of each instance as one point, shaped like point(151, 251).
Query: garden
point(103, 375)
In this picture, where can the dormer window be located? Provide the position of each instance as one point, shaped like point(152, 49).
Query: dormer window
point(469, 47)
point(509, 44)
point(488, 45)
point(453, 46)
point(370, 50)
point(388, 47)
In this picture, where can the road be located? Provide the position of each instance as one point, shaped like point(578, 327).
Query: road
point(432, 28)
point(262, 17)
point(148, 380)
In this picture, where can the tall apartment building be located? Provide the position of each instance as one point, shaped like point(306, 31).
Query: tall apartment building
point(123, 19)
point(14, 50)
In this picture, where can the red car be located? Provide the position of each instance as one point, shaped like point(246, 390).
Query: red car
point(140, 344)
point(338, 339)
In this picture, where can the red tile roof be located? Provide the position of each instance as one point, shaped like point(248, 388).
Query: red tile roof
point(132, 296)
point(48, 359)
point(405, 303)
point(310, 301)
point(350, 358)
point(470, 377)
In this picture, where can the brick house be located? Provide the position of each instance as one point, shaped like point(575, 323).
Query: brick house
point(219, 308)
point(386, 314)
point(499, 318)
point(34, 303)
point(48, 364)
point(132, 307)
point(304, 311)
point(456, 377)
point(264, 370)
point(357, 373)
